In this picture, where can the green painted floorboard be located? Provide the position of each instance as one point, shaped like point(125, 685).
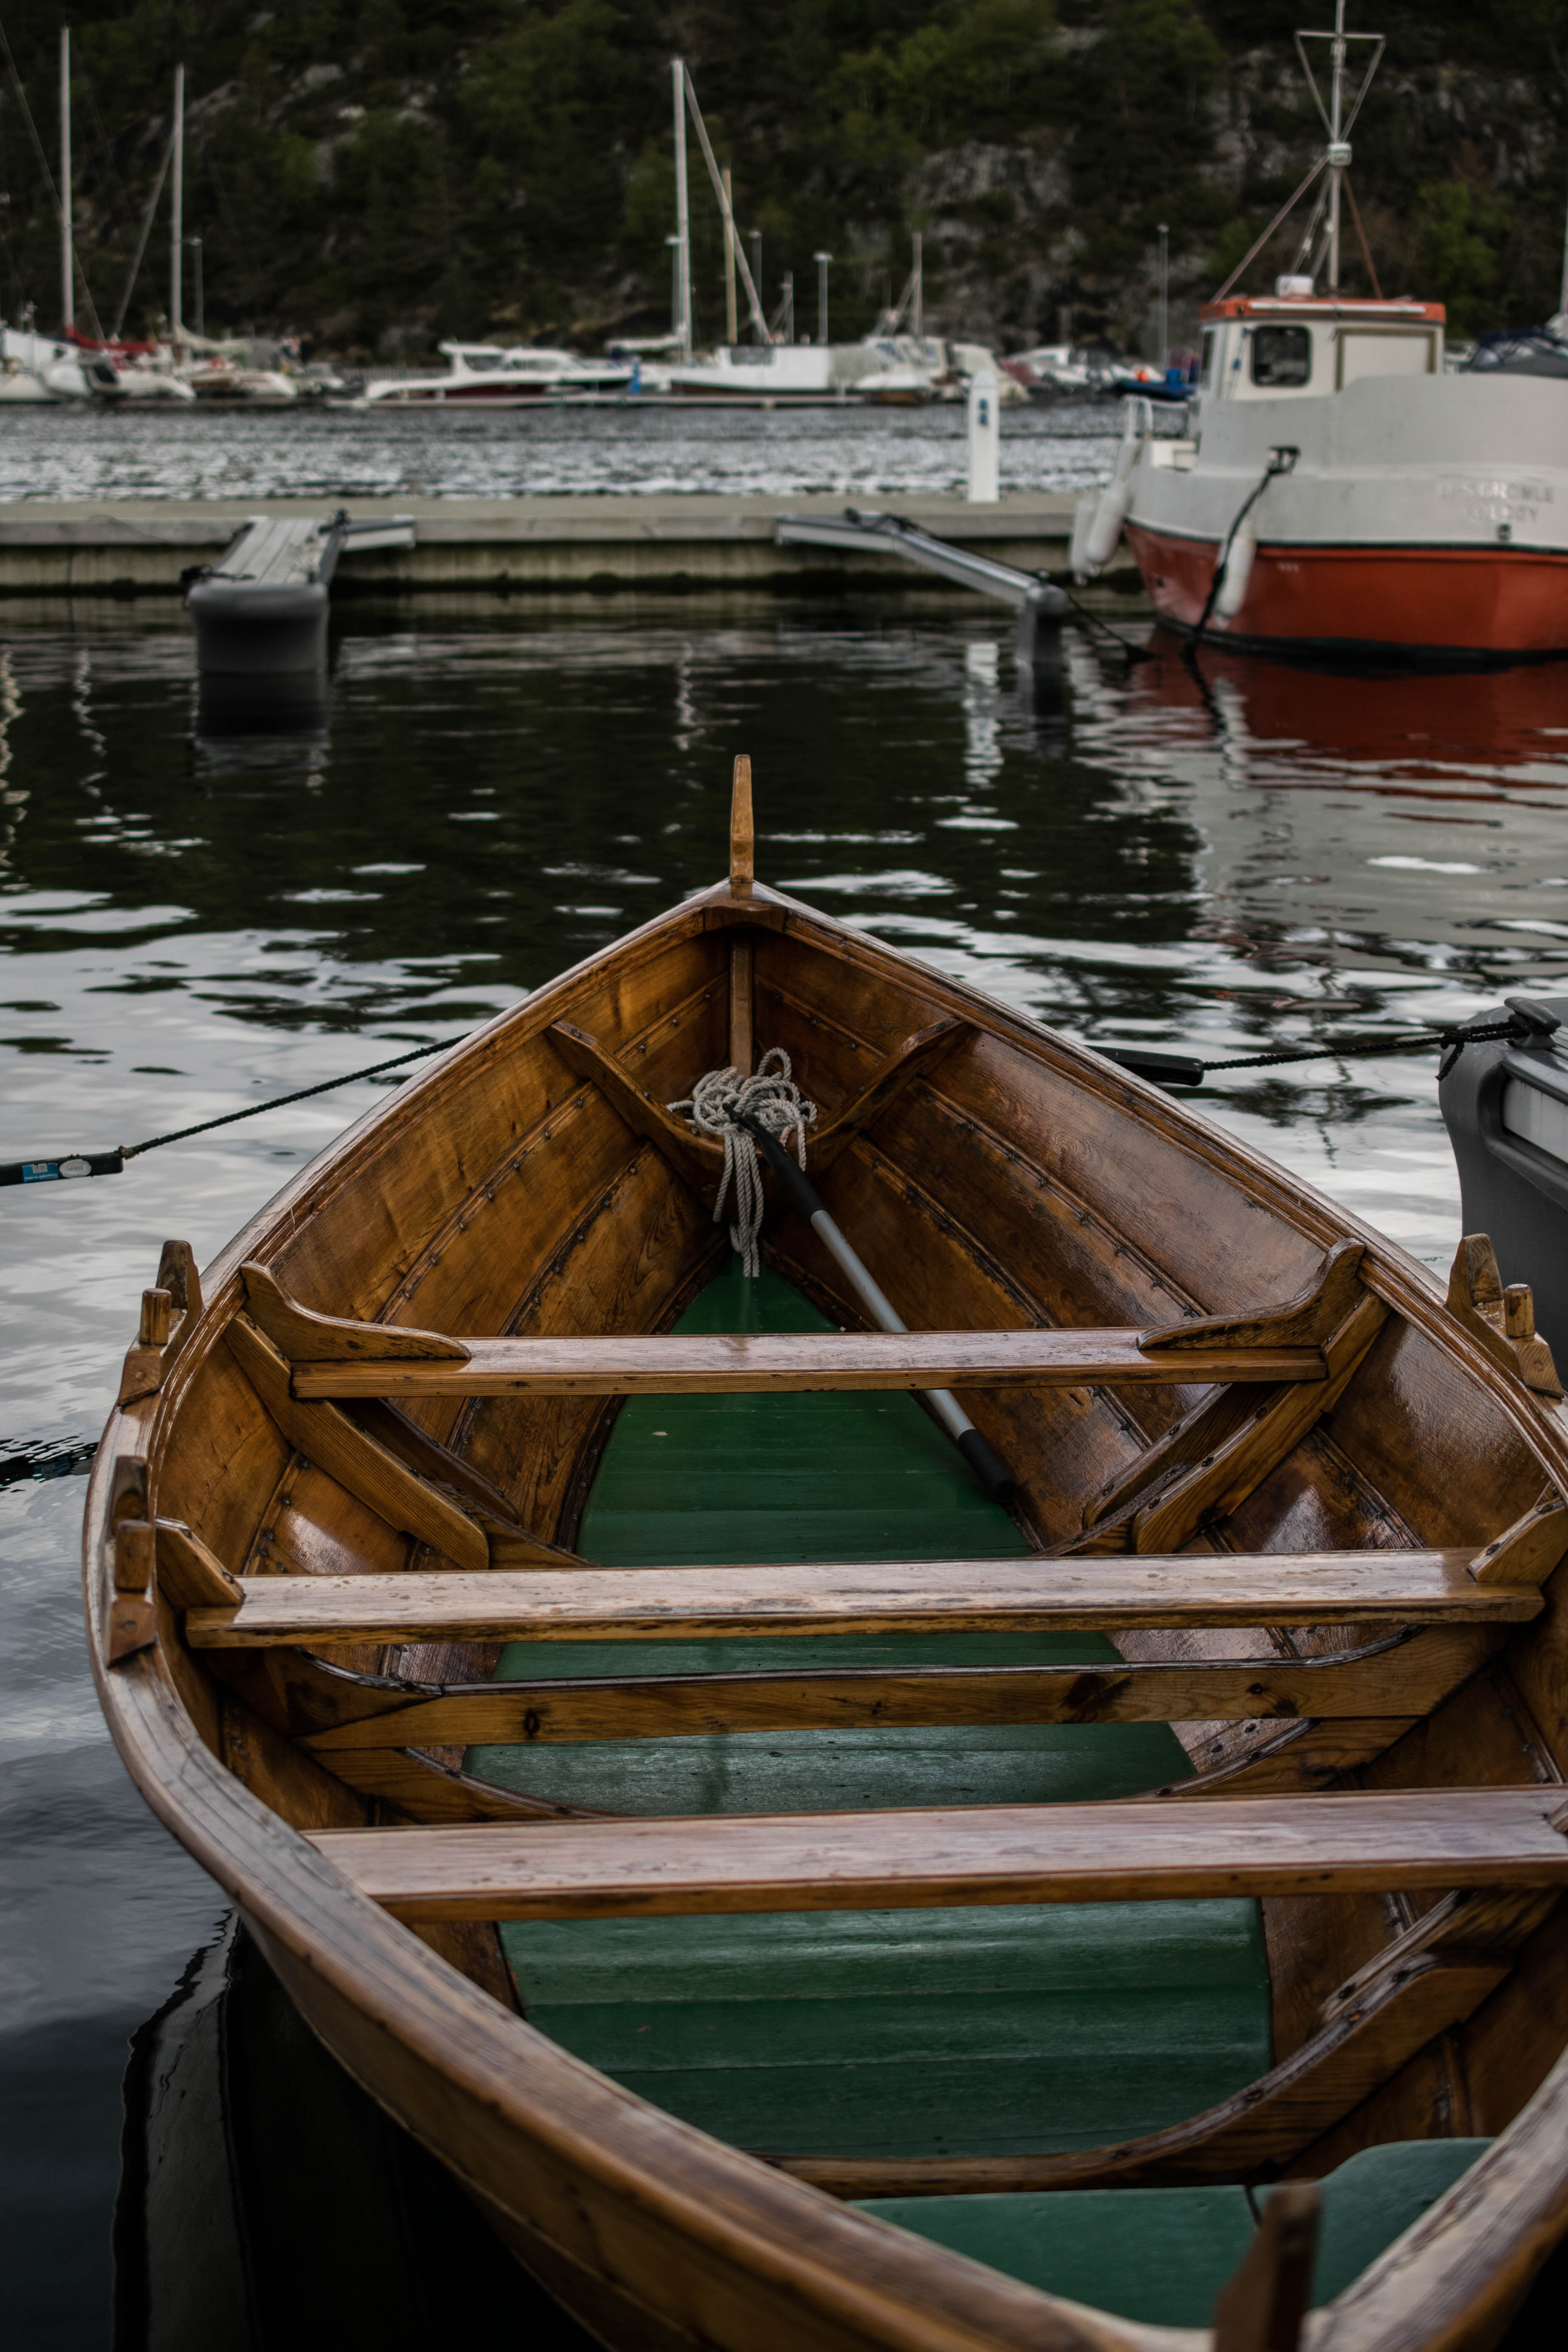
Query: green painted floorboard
point(876, 2033)
point(1162, 2255)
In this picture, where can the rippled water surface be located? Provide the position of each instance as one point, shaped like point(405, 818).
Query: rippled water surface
point(182, 453)
point(193, 919)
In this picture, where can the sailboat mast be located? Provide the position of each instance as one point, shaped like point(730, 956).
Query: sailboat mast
point(683, 216)
point(1339, 146)
point(68, 260)
point(730, 321)
point(178, 173)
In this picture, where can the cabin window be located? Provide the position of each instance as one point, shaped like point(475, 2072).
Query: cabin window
point(1211, 345)
point(1281, 355)
point(1386, 350)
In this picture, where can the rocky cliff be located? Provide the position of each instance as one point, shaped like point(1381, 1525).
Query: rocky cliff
point(376, 174)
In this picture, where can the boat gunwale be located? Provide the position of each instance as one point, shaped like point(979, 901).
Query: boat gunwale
point(906, 2292)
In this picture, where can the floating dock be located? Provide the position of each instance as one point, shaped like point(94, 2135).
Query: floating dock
point(144, 547)
point(260, 610)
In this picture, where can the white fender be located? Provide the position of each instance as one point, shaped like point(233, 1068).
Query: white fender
point(1097, 522)
point(1104, 532)
point(1083, 516)
point(1237, 577)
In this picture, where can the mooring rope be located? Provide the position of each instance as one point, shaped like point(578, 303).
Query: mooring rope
point(111, 1163)
point(716, 1106)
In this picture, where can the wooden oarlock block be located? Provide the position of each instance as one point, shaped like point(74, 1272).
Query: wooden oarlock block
point(132, 1622)
point(169, 1315)
point(157, 1314)
point(1261, 2308)
point(1502, 1320)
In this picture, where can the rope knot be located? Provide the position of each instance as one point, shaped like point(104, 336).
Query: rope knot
point(716, 1106)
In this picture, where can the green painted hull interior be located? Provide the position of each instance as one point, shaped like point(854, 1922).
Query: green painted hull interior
point(1162, 2255)
point(995, 2031)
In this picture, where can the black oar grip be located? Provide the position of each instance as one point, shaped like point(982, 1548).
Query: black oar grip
point(801, 1194)
point(67, 1165)
point(988, 1467)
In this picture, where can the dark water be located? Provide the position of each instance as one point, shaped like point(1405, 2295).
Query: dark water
point(196, 919)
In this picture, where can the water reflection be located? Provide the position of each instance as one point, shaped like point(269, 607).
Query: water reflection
point(236, 2118)
point(237, 716)
point(193, 921)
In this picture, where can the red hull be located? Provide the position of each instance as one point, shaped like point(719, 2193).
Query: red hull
point(1493, 600)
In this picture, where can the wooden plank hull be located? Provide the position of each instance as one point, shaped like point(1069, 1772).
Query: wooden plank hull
point(1018, 1184)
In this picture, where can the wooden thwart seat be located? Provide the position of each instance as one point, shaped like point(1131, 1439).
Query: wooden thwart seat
point(331, 1357)
point(1418, 1842)
point(633, 1365)
point(1028, 1595)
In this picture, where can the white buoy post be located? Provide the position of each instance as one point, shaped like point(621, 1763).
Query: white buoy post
point(176, 229)
point(822, 261)
point(984, 440)
point(68, 260)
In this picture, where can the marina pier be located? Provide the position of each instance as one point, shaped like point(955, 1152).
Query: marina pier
point(143, 547)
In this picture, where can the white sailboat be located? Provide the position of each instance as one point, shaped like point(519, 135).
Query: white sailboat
point(39, 371)
point(43, 371)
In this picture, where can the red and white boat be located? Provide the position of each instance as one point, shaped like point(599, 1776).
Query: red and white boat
point(1338, 491)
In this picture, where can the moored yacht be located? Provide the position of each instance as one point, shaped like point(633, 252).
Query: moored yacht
point(39, 370)
point(483, 375)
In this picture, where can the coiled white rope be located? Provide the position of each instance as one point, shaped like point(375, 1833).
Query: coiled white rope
point(715, 1106)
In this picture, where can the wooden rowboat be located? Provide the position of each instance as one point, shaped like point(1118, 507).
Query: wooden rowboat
point(805, 1903)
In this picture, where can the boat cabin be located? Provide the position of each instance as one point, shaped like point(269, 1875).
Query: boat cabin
point(1260, 348)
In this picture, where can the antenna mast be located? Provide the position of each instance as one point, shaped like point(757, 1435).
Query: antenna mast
point(1336, 121)
point(1339, 120)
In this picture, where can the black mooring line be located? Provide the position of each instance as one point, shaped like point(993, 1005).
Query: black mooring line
point(73, 1164)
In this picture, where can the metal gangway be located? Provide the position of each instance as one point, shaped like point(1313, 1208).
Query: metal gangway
point(1041, 608)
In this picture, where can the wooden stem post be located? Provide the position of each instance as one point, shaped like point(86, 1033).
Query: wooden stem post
point(742, 873)
point(742, 835)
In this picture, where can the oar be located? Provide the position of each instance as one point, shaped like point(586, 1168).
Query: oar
point(986, 1464)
